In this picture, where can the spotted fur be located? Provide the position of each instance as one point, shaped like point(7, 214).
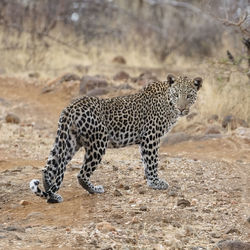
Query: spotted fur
point(89, 122)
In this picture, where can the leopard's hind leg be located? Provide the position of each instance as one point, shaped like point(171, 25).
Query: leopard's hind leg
point(63, 151)
point(94, 152)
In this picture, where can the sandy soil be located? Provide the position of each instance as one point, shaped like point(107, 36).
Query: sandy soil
point(208, 199)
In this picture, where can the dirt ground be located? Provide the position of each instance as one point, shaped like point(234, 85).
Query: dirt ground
point(208, 199)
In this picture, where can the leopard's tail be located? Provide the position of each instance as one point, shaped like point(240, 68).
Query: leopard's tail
point(36, 190)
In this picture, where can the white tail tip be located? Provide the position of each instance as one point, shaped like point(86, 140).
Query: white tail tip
point(33, 185)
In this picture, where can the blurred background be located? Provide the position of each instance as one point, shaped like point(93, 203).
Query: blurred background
point(44, 39)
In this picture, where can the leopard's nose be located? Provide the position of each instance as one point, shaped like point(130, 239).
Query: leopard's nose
point(181, 109)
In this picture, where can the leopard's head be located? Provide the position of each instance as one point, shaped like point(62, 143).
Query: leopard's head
point(183, 92)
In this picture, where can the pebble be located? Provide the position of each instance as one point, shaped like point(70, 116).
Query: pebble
point(24, 203)
point(183, 203)
point(194, 202)
point(215, 235)
point(117, 193)
point(232, 245)
point(117, 216)
point(135, 220)
point(167, 220)
point(143, 208)
point(12, 118)
point(115, 168)
point(15, 229)
point(105, 227)
point(232, 230)
point(142, 191)
point(126, 187)
point(172, 193)
point(107, 248)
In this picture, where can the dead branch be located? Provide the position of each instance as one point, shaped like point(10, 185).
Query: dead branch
point(240, 23)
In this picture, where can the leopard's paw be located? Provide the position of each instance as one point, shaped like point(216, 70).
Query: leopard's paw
point(55, 198)
point(158, 184)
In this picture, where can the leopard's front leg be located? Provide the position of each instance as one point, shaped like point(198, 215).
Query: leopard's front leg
point(149, 153)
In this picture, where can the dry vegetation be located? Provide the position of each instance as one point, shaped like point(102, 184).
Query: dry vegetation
point(48, 47)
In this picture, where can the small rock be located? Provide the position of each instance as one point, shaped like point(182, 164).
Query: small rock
point(17, 237)
point(119, 60)
point(215, 235)
point(172, 193)
point(176, 224)
point(117, 193)
point(194, 202)
point(213, 130)
point(15, 229)
point(213, 118)
point(167, 220)
point(229, 121)
point(135, 220)
point(183, 203)
point(130, 240)
point(115, 168)
point(188, 230)
point(92, 82)
point(232, 230)
point(125, 86)
point(121, 76)
point(145, 78)
point(69, 77)
point(12, 118)
point(105, 227)
point(24, 203)
point(232, 245)
point(143, 208)
point(117, 216)
point(126, 187)
point(142, 191)
point(206, 210)
point(107, 248)
point(97, 92)
point(34, 75)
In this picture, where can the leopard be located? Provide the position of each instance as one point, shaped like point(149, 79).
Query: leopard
point(94, 123)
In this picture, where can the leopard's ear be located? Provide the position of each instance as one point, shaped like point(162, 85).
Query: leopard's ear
point(198, 82)
point(171, 79)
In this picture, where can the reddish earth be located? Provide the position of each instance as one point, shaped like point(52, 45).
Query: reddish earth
point(212, 176)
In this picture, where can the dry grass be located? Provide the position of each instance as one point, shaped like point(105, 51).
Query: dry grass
point(225, 93)
point(225, 90)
